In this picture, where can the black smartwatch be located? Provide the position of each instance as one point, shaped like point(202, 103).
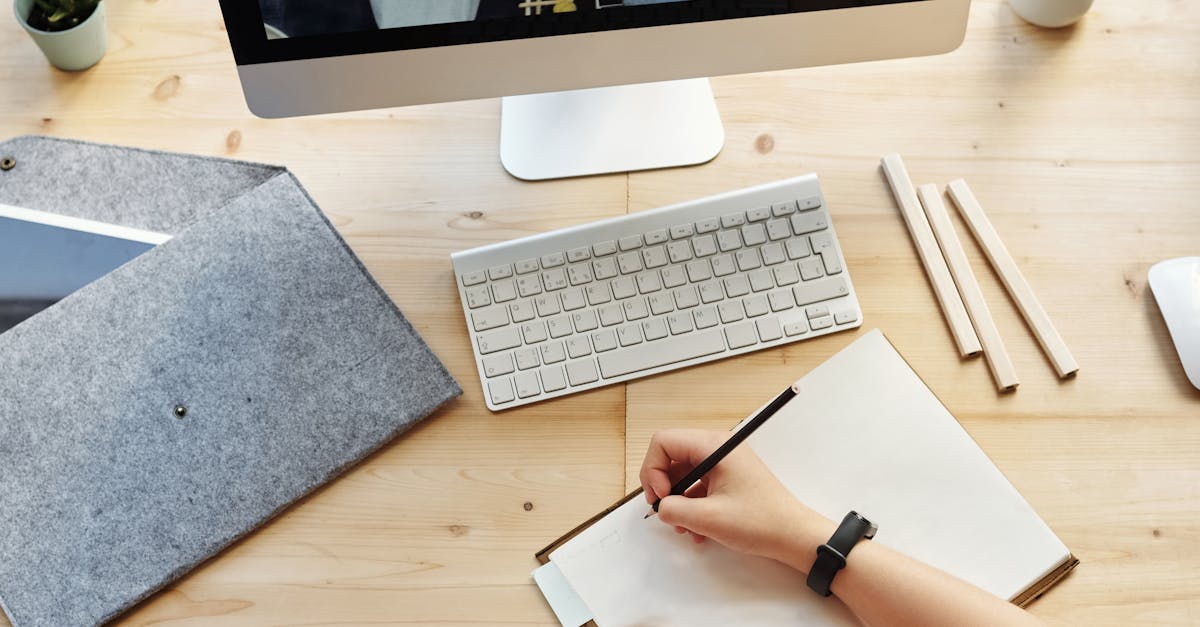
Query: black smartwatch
point(831, 556)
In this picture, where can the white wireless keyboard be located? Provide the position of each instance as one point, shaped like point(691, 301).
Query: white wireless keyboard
point(587, 306)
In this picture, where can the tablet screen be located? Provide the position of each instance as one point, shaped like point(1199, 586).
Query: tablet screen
point(44, 257)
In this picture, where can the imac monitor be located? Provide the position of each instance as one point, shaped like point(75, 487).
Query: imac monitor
point(557, 62)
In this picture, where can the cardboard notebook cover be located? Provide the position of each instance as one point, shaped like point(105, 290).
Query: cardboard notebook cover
point(291, 362)
point(1024, 598)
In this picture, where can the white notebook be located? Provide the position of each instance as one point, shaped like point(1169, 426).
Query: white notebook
point(864, 434)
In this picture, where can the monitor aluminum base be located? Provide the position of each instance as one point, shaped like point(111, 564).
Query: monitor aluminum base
point(610, 129)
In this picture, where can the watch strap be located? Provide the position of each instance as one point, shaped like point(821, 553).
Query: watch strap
point(831, 556)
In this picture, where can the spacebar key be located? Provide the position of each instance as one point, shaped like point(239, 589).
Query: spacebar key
point(661, 353)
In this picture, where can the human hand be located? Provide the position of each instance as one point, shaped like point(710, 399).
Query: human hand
point(739, 503)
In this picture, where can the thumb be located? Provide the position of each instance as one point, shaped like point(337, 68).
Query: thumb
point(694, 514)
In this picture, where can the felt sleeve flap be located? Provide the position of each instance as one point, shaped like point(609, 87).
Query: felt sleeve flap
point(291, 364)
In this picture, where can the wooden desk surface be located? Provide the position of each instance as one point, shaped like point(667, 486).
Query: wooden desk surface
point(1082, 143)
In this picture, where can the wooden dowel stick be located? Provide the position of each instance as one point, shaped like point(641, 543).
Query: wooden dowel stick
point(931, 257)
point(993, 347)
point(997, 253)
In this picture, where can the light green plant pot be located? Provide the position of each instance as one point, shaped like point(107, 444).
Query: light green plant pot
point(77, 48)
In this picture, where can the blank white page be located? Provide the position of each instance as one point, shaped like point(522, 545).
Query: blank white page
point(865, 433)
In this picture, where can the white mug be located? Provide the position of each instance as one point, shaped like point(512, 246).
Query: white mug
point(1051, 13)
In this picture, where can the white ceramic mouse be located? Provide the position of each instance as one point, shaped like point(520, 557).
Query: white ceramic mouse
point(1176, 287)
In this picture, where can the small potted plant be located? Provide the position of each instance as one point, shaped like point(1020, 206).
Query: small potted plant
point(71, 33)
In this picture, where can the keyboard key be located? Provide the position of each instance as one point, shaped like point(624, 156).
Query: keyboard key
point(657, 236)
point(579, 346)
point(817, 291)
point(781, 209)
point(733, 219)
point(821, 242)
point(534, 332)
point(579, 274)
point(554, 279)
point(497, 365)
point(501, 391)
point(611, 314)
point(654, 329)
point(681, 231)
point(686, 297)
point(833, 265)
point(760, 280)
point(490, 318)
point(810, 203)
point(629, 334)
point(781, 300)
point(624, 287)
point(754, 234)
point(553, 378)
point(705, 317)
point(799, 327)
point(758, 214)
point(661, 353)
point(578, 254)
point(661, 303)
point(704, 246)
point(473, 278)
point(769, 329)
point(629, 263)
point(737, 286)
point(527, 358)
point(711, 292)
point(598, 293)
point(748, 259)
point(811, 269)
point(478, 297)
point(527, 384)
point(560, 326)
point(816, 311)
point(553, 260)
point(778, 229)
point(773, 254)
point(707, 225)
point(573, 299)
point(674, 276)
point(547, 305)
point(699, 271)
point(679, 252)
point(552, 353)
point(723, 265)
point(525, 266)
point(808, 222)
point(729, 240)
point(741, 335)
point(500, 272)
point(604, 340)
point(756, 306)
point(585, 321)
point(787, 275)
point(730, 311)
point(635, 309)
point(846, 316)
point(680, 323)
point(582, 372)
point(528, 285)
point(499, 340)
point(630, 242)
point(821, 323)
point(607, 268)
point(504, 291)
point(655, 257)
point(798, 248)
point(604, 248)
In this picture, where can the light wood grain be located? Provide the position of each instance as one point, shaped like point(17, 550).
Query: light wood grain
point(1002, 262)
point(1085, 143)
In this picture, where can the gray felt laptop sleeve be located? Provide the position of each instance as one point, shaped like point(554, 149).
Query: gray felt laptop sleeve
point(256, 317)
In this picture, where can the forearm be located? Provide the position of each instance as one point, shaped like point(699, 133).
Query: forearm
point(884, 587)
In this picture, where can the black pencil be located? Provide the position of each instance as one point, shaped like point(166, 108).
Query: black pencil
point(737, 438)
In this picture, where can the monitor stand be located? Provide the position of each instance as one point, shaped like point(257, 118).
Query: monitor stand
point(610, 129)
